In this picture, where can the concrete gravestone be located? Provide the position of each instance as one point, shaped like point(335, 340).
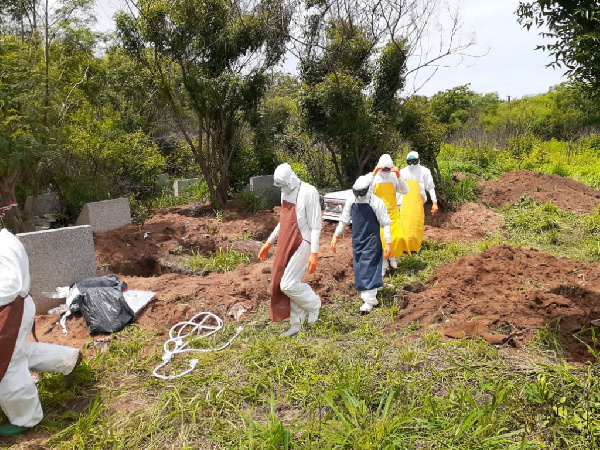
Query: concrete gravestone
point(181, 185)
point(162, 180)
point(58, 258)
point(106, 215)
point(48, 203)
point(263, 186)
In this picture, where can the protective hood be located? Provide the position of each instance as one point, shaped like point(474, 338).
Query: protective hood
point(385, 161)
point(361, 186)
point(285, 178)
point(14, 268)
point(412, 155)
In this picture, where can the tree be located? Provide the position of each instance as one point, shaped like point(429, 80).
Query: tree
point(208, 60)
point(347, 99)
point(20, 119)
point(355, 58)
point(574, 27)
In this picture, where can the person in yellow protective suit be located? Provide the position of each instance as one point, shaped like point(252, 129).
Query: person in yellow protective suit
point(412, 215)
point(386, 184)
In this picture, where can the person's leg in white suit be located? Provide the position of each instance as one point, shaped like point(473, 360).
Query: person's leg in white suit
point(369, 298)
point(18, 394)
point(303, 300)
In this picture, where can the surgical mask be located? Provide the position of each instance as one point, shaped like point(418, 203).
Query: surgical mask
point(285, 190)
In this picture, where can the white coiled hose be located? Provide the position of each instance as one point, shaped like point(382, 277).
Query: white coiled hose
point(197, 327)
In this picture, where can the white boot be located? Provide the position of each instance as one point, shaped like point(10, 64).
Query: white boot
point(293, 331)
point(384, 267)
point(366, 308)
point(393, 263)
point(313, 316)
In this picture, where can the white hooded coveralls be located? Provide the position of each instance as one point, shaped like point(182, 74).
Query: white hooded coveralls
point(423, 176)
point(18, 395)
point(303, 300)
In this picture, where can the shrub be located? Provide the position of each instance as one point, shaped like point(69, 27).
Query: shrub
point(250, 201)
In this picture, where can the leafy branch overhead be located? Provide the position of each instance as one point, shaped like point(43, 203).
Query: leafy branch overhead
point(573, 28)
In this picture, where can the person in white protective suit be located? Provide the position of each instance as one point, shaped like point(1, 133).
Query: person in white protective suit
point(297, 233)
point(415, 171)
point(18, 394)
point(387, 185)
point(368, 213)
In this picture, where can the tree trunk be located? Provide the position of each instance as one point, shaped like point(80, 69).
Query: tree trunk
point(12, 219)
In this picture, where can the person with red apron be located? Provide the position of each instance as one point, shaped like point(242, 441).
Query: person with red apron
point(387, 185)
point(297, 233)
point(18, 395)
point(368, 214)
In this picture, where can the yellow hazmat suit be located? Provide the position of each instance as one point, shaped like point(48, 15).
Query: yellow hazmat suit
point(387, 193)
point(412, 217)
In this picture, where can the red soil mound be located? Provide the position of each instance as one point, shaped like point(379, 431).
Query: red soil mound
point(565, 193)
point(509, 290)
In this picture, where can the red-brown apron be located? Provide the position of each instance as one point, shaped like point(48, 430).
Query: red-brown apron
point(11, 316)
point(288, 242)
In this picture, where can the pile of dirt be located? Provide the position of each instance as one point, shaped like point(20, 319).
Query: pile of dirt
point(180, 296)
point(567, 194)
point(471, 222)
point(510, 291)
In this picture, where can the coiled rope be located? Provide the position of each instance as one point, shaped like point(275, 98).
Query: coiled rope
point(182, 333)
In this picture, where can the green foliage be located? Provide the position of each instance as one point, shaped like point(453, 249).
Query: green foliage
point(335, 106)
point(250, 201)
point(196, 192)
point(221, 261)
point(573, 29)
point(199, 57)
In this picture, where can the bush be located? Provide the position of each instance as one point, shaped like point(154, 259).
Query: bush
point(250, 201)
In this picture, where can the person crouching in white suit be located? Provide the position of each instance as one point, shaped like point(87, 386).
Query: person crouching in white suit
point(297, 233)
point(18, 395)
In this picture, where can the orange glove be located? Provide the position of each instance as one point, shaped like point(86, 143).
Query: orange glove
point(377, 169)
point(334, 243)
point(387, 250)
point(434, 208)
point(262, 254)
point(312, 262)
point(396, 170)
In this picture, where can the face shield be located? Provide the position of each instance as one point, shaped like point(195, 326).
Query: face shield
point(285, 178)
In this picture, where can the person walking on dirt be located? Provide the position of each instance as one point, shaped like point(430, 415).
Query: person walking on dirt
point(386, 185)
point(298, 233)
point(18, 395)
point(414, 171)
point(368, 213)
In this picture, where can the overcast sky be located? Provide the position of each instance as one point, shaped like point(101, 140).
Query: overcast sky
point(510, 67)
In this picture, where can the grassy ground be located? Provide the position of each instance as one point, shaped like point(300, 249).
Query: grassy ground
point(351, 381)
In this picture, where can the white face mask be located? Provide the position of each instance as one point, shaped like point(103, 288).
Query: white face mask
point(285, 190)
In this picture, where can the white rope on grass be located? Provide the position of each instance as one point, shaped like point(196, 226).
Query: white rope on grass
point(197, 327)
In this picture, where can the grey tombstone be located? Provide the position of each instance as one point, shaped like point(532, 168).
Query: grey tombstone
point(162, 181)
point(48, 203)
point(263, 185)
point(181, 185)
point(58, 258)
point(106, 215)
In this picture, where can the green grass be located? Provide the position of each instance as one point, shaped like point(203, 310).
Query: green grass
point(348, 382)
point(222, 261)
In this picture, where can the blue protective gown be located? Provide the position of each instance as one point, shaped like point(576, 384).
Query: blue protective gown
point(367, 249)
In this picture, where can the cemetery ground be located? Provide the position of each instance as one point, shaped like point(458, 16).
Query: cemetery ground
point(485, 338)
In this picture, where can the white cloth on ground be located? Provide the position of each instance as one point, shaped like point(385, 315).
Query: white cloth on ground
point(423, 176)
point(308, 207)
point(303, 300)
point(379, 209)
point(14, 268)
point(18, 395)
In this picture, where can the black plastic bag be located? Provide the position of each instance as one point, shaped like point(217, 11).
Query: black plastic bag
point(105, 281)
point(105, 310)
